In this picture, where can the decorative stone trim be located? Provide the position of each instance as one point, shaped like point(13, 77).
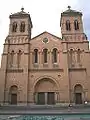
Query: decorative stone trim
point(5, 53)
point(45, 65)
point(55, 69)
point(71, 69)
point(36, 65)
point(15, 70)
point(80, 64)
point(55, 65)
point(72, 65)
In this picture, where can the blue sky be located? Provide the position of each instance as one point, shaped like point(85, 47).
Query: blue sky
point(45, 15)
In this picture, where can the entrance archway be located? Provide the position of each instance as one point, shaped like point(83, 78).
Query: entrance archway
point(78, 94)
point(13, 94)
point(45, 91)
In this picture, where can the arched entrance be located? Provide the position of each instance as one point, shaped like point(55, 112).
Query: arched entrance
point(45, 91)
point(13, 94)
point(78, 94)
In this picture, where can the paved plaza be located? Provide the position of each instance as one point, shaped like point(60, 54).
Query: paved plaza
point(44, 109)
point(45, 112)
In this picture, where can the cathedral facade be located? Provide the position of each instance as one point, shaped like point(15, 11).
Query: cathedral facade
point(45, 69)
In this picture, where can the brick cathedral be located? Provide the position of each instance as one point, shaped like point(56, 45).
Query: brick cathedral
point(45, 69)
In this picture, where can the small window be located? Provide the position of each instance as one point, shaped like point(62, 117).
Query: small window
point(35, 55)
point(78, 56)
point(22, 27)
point(76, 25)
point(14, 27)
point(19, 58)
point(68, 27)
point(55, 55)
point(12, 58)
point(45, 51)
point(71, 55)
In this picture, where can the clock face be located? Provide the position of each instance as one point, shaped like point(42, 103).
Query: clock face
point(45, 40)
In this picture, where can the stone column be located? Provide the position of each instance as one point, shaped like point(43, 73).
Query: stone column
point(56, 96)
point(45, 98)
point(3, 69)
point(85, 95)
point(25, 79)
point(35, 98)
point(66, 77)
point(6, 97)
point(50, 59)
point(40, 59)
point(58, 55)
point(15, 61)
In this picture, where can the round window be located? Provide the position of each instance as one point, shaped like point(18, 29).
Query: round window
point(45, 40)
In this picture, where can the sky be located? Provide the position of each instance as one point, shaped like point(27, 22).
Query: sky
point(45, 15)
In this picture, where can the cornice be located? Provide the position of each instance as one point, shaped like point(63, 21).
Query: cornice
point(77, 69)
point(55, 69)
point(10, 70)
point(75, 42)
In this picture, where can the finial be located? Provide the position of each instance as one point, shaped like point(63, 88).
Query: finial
point(22, 9)
point(69, 7)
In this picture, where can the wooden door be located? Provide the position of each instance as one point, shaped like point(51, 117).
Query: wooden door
point(50, 98)
point(78, 98)
point(13, 98)
point(41, 98)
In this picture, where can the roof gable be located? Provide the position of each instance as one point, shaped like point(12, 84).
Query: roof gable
point(46, 34)
point(46, 40)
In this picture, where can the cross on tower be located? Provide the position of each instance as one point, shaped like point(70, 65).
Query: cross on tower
point(69, 7)
point(22, 9)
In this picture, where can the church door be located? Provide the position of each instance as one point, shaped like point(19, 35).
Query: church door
point(50, 98)
point(13, 98)
point(13, 94)
point(78, 98)
point(41, 98)
point(78, 89)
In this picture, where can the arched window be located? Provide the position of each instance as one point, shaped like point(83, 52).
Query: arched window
point(22, 27)
point(71, 56)
point(78, 56)
point(35, 55)
point(12, 58)
point(76, 25)
point(55, 55)
point(19, 58)
point(45, 51)
point(14, 27)
point(68, 27)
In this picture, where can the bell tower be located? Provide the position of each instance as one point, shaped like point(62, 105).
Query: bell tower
point(72, 26)
point(20, 24)
point(15, 56)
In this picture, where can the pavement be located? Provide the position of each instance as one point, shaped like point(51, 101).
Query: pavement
point(44, 110)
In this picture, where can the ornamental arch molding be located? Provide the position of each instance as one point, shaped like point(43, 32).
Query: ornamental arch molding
point(78, 88)
point(51, 79)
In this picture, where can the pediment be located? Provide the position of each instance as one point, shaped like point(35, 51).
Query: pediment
point(46, 35)
point(46, 40)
